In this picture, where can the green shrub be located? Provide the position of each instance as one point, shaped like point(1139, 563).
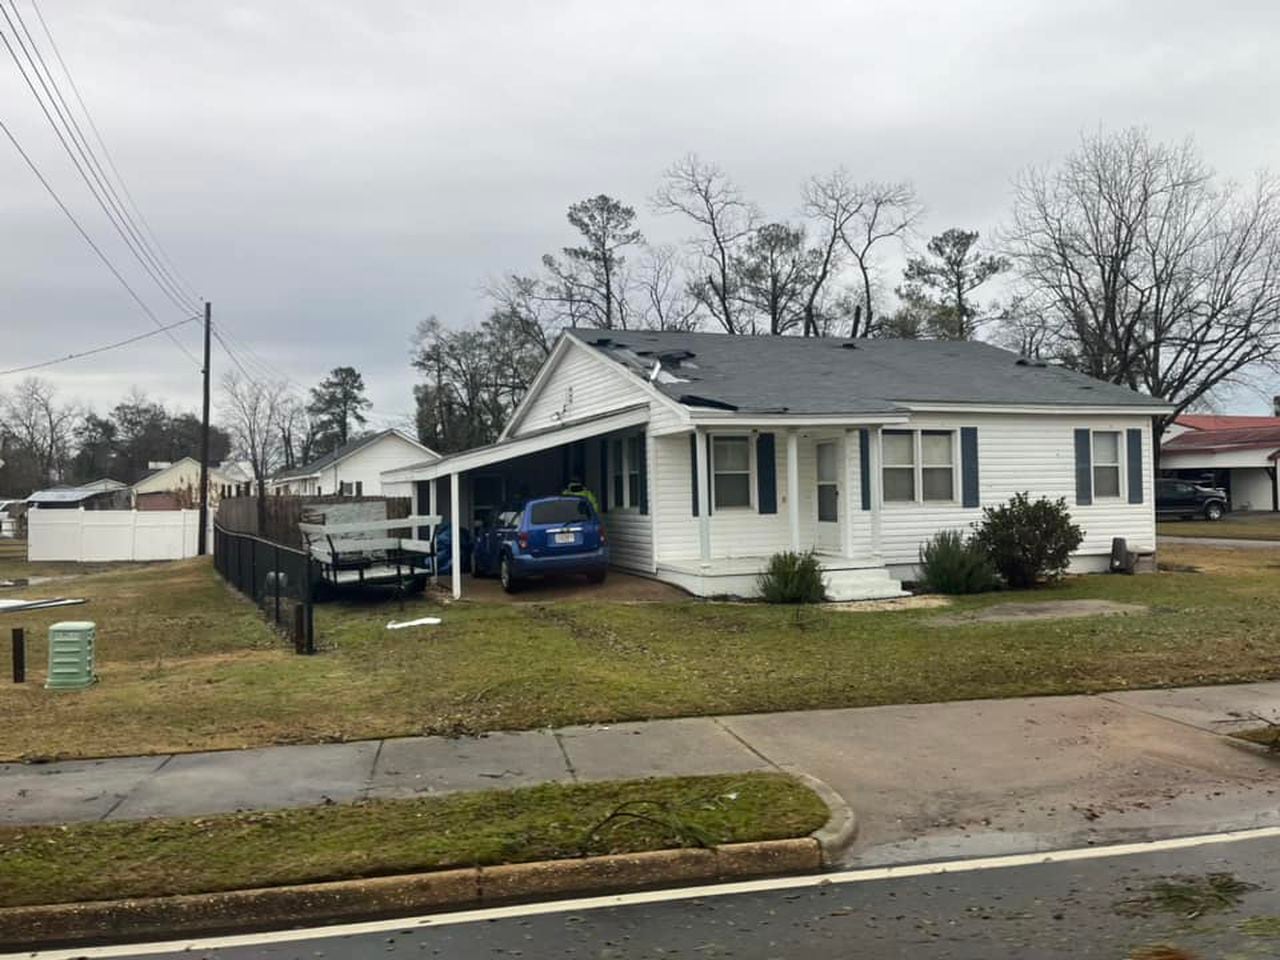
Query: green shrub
point(792, 578)
point(951, 564)
point(1028, 541)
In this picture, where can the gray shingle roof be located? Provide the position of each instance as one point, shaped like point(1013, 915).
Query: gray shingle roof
point(827, 375)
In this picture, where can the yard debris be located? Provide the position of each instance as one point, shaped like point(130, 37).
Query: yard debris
point(420, 622)
point(17, 605)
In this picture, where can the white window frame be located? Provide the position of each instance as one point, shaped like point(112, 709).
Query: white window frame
point(752, 483)
point(620, 466)
point(918, 467)
point(1121, 466)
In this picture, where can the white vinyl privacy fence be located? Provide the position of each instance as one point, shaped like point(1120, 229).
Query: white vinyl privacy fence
point(99, 535)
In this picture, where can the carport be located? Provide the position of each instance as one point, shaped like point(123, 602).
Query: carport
point(465, 487)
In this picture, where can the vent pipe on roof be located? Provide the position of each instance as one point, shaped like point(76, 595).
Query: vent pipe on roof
point(849, 345)
point(1275, 406)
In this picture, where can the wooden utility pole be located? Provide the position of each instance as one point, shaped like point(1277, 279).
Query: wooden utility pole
point(202, 537)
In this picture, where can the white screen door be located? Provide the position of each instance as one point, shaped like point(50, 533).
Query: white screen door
point(828, 497)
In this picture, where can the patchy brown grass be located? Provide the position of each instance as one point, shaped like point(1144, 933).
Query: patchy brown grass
point(187, 664)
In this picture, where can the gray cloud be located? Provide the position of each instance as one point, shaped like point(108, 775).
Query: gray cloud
point(329, 173)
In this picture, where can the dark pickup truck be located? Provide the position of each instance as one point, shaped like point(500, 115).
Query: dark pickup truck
point(1184, 499)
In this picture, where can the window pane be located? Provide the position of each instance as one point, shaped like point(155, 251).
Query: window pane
point(827, 462)
point(559, 511)
point(827, 503)
point(731, 453)
point(1106, 447)
point(633, 489)
point(617, 491)
point(1106, 481)
point(733, 490)
point(899, 484)
point(935, 448)
point(937, 483)
point(899, 448)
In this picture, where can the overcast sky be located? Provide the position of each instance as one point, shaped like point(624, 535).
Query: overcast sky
point(329, 173)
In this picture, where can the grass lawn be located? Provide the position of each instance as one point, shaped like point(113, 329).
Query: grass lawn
point(1234, 526)
point(186, 664)
point(102, 861)
point(14, 564)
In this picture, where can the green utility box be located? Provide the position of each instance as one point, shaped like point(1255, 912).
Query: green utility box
point(71, 655)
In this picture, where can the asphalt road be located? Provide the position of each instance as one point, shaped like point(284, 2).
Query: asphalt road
point(1101, 907)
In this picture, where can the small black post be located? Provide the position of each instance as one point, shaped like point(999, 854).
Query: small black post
point(275, 565)
point(300, 628)
point(19, 655)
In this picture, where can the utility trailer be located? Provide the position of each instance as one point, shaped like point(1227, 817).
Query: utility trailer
point(362, 553)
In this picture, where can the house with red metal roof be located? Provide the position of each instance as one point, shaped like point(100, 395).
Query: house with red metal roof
point(1239, 454)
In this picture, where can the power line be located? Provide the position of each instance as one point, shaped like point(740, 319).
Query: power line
point(96, 350)
point(230, 353)
point(185, 284)
point(89, 240)
point(99, 192)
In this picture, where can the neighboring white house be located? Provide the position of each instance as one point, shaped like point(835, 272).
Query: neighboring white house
point(176, 485)
point(1238, 454)
point(356, 468)
point(709, 453)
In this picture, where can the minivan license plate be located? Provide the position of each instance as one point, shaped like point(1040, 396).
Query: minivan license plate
point(564, 538)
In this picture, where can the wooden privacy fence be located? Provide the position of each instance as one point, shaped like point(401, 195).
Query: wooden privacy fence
point(284, 513)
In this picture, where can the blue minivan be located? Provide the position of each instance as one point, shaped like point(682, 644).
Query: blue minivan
point(548, 535)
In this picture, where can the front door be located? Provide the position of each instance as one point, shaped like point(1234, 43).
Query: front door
point(828, 497)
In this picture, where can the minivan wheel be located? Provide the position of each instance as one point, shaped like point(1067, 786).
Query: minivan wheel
point(504, 575)
point(1213, 511)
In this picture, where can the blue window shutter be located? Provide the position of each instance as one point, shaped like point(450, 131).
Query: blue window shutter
point(1134, 446)
point(604, 474)
point(643, 469)
point(969, 467)
point(693, 470)
point(864, 466)
point(711, 480)
point(1084, 468)
point(766, 474)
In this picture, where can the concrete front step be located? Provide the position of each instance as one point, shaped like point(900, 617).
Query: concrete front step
point(872, 583)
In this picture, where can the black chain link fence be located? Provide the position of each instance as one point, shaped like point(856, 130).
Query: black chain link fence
point(280, 580)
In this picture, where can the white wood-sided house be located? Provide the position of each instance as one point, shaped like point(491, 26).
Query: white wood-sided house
point(354, 469)
point(709, 453)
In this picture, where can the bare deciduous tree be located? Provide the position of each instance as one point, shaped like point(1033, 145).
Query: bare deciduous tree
point(665, 303)
point(39, 431)
point(253, 411)
point(1152, 274)
point(703, 193)
point(884, 212)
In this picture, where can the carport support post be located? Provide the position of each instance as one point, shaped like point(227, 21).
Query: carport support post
point(435, 508)
point(704, 495)
point(455, 541)
point(793, 488)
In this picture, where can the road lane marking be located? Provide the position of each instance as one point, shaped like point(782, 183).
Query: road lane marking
point(581, 904)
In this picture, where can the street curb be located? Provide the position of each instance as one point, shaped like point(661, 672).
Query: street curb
point(841, 829)
point(244, 910)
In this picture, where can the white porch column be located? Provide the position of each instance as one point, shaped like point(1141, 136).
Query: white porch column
point(849, 504)
point(455, 540)
point(704, 493)
point(877, 494)
point(793, 488)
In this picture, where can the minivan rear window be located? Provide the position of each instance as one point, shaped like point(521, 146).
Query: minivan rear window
point(560, 511)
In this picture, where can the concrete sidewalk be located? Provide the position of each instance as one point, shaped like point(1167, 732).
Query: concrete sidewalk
point(1228, 542)
point(927, 781)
